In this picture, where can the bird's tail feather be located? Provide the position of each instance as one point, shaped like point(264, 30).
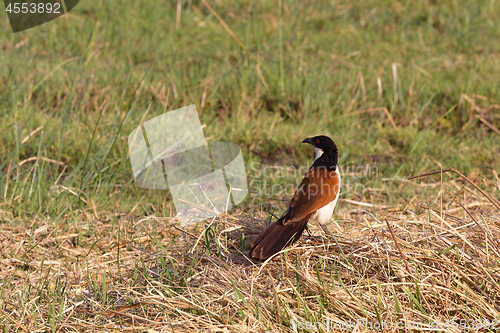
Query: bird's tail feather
point(275, 237)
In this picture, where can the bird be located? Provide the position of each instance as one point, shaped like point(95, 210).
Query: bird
point(313, 201)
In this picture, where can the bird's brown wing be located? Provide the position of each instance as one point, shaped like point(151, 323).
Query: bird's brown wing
point(318, 188)
point(275, 237)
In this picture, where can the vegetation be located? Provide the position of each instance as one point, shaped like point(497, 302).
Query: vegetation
point(402, 87)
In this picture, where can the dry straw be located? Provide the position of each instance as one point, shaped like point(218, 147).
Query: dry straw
point(413, 265)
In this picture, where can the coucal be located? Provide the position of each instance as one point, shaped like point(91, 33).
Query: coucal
point(314, 201)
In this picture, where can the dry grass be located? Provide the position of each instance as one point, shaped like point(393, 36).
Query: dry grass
point(118, 272)
point(404, 85)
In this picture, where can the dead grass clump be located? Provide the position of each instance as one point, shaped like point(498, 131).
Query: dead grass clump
point(432, 264)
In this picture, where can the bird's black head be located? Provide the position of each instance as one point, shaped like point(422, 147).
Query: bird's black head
point(323, 146)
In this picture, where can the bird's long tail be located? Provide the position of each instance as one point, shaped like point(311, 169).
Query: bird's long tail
point(275, 237)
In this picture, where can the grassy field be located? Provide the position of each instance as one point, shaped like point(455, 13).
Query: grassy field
point(402, 87)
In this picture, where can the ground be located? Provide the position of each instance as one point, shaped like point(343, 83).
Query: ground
point(402, 87)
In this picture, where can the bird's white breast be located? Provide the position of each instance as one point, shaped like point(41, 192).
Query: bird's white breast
point(317, 153)
point(324, 214)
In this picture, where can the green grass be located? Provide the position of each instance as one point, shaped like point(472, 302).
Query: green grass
point(63, 74)
point(327, 67)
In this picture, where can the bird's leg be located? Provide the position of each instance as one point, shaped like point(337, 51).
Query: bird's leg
point(310, 235)
point(307, 229)
point(326, 231)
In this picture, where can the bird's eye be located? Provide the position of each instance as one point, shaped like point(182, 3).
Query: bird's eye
point(317, 141)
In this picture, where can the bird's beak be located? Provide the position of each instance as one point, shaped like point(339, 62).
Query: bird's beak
point(308, 140)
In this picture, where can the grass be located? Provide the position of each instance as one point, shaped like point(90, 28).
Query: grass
point(402, 87)
point(108, 271)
